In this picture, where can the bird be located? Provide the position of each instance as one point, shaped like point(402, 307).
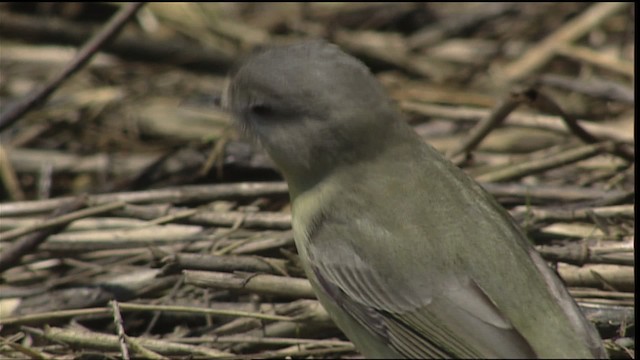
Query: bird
point(409, 255)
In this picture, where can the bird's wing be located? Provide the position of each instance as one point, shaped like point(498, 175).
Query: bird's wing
point(459, 320)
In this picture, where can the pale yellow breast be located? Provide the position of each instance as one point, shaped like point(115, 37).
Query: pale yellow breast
point(305, 209)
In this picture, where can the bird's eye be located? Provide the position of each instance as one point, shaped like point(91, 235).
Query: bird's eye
point(261, 110)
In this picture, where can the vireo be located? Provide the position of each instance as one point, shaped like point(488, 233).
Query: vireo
point(410, 256)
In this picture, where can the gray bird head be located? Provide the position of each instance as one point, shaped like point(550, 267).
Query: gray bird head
point(311, 106)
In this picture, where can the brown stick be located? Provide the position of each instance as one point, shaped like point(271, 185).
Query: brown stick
point(544, 102)
point(11, 256)
point(37, 98)
point(538, 55)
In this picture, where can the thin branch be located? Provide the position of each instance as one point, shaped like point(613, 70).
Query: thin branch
point(122, 336)
point(484, 127)
point(11, 256)
point(60, 220)
point(37, 98)
point(540, 54)
point(545, 103)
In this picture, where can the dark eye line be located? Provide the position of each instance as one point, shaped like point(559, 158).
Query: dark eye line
point(261, 109)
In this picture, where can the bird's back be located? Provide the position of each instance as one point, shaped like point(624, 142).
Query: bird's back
point(454, 232)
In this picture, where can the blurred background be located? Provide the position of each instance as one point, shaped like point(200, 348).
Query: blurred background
point(151, 92)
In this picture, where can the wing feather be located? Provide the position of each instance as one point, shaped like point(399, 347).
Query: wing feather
point(460, 321)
